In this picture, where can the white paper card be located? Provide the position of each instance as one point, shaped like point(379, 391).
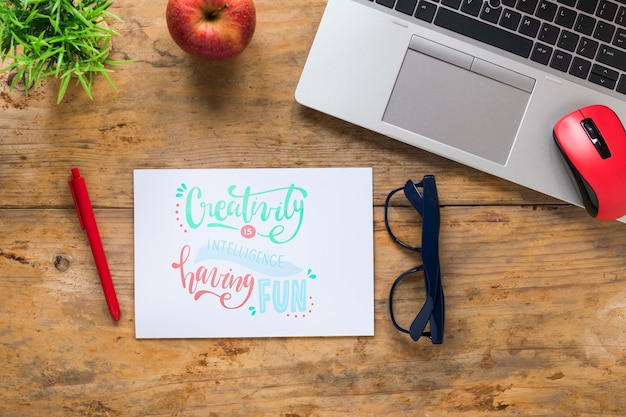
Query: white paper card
point(253, 252)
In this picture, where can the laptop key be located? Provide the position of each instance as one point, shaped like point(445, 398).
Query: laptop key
point(541, 54)
point(549, 33)
point(406, 6)
point(568, 40)
point(490, 14)
point(565, 17)
point(607, 10)
point(584, 24)
point(620, 19)
point(604, 31)
point(612, 57)
point(587, 6)
point(388, 3)
point(605, 72)
point(561, 61)
point(527, 6)
point(621, 85)
point(620, 38)
point(587, 48)
point(471, 7)
point(484, 32)
point(580, 68)
point(425, 11)
point(546, 10)
point(510, 19)
point(529, 26)
point(455, 4)
point(603, 81)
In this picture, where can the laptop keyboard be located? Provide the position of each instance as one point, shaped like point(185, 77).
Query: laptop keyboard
point(584, 38)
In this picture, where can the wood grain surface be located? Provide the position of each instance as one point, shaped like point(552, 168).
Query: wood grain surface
point(535, 289)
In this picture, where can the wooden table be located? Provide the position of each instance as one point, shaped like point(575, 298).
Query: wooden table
point(535, 289)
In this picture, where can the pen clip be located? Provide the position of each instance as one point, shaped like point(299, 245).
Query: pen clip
point(80, 217)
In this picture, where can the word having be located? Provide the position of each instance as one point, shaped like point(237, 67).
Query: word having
point(210, 281)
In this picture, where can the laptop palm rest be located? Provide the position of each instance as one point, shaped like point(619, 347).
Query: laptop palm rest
point(441, 93)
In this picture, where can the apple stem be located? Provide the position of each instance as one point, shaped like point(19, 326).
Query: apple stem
point(215, 12)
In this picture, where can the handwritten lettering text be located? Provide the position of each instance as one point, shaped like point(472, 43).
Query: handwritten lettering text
point(223, 285)
point(281, 209)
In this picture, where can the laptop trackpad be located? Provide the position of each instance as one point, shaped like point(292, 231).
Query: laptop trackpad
point(459, 104)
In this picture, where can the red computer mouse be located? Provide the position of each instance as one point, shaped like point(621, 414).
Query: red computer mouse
point(593, 142)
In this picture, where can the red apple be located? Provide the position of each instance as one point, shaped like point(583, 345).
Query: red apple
point(211, 29)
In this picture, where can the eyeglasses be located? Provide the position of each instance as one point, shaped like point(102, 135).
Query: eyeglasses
point(433, 310)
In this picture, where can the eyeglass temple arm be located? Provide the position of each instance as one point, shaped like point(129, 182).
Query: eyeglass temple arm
point(433, 310)
point(437, 317)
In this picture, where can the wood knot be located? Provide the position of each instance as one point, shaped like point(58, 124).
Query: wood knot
point(61, 263)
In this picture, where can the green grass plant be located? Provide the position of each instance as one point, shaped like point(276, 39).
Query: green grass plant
point(66, 39)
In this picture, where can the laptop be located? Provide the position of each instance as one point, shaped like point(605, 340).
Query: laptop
point(480, 82)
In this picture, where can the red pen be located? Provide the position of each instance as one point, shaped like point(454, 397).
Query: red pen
point(88, 223)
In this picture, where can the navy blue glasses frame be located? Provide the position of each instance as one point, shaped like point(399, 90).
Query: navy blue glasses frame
point(433, 310)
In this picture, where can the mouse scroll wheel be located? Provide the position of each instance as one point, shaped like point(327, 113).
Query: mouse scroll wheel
point(596, 138)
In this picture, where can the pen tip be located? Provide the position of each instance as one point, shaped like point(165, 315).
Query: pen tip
point(116, 315)
point(75, 173)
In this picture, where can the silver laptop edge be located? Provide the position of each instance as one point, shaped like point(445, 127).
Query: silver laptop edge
point(354, 72)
